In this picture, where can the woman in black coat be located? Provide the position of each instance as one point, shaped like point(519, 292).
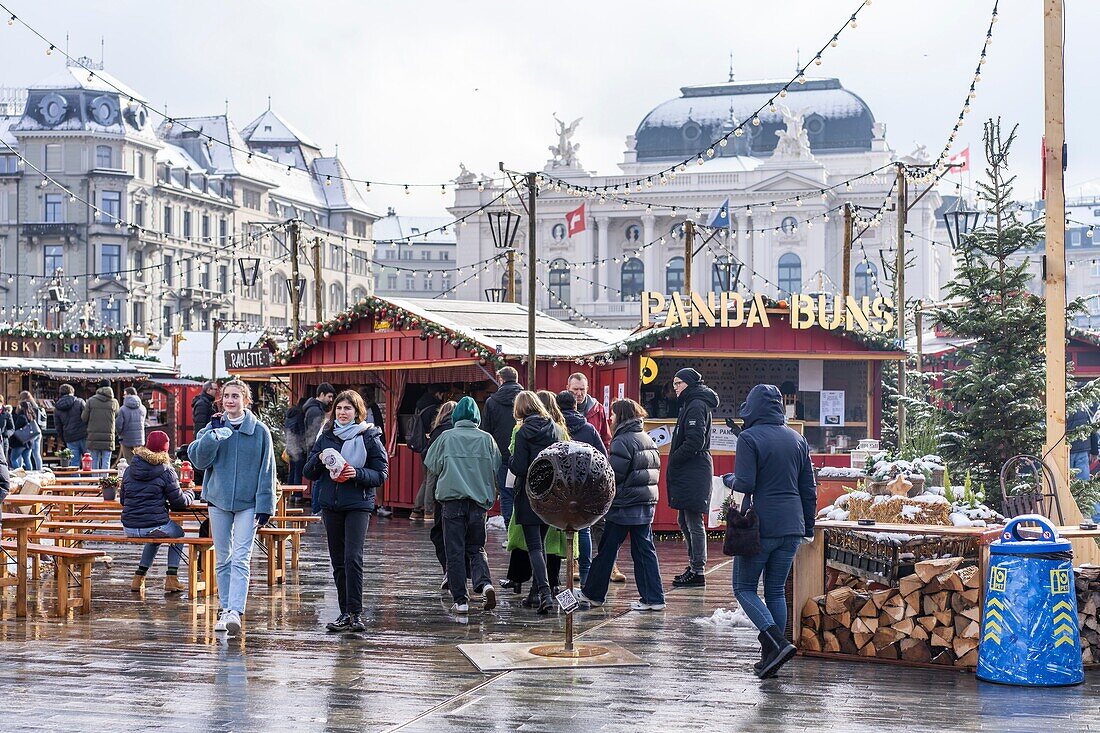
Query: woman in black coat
point(347, 500)
point(535, 434)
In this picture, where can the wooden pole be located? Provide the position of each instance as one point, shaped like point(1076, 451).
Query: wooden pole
point(689, 245)
point(918, 322)
point(1056, 446)
point(295, 293)
point(569, 562)
point(847, 251)
point(899, 297)
point(532, 197)
point(214, 350)
point(510, 288)
point(318, 281)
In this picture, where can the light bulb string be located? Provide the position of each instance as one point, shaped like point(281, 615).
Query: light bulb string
point(477, 273)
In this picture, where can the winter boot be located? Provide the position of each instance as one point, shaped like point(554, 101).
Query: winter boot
point(776, 650)
point(138, 584)
point(172, 584)
point(545, 602)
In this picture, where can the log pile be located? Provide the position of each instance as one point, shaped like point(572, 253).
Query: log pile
point(931, 617)
point(1088, 611)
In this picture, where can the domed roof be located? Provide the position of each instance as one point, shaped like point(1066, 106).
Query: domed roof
point(836, 119)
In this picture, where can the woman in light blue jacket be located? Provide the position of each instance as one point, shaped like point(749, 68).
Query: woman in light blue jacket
point(236, 454)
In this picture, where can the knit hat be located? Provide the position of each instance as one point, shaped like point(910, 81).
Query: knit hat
point(567, 401)
point(466, 409)
point(157, 441)
point(689, 376)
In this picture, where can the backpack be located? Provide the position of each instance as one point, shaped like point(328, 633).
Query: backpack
point(417, 439)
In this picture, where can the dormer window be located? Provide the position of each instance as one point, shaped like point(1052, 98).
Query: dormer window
point(267, 128)
point(415, 230)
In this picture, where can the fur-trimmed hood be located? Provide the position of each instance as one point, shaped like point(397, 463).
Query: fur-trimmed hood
point(155, 459)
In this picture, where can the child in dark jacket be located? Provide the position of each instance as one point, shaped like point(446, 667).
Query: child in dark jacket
point(149, 487)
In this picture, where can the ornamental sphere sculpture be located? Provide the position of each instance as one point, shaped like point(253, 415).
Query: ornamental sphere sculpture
point(570, 485)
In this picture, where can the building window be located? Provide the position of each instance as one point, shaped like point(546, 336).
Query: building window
point(102, 156)
point(336, 298)
point(410, 281)
point(204, 275)
point(186, 224)
point(405, 254)
point(139, 165)
point(790, 274)
point(223, 231)
point(272, 207)
point(167, 227)
point(168, 269)
point(110, 206)
point(425, 255)
point(223, 279)
point(9, 164)
point(391, 282)
point(389, 254)
point(865, 272)
point(139, 214)
point(560, 280)
point(445, 256)
point(518, 285)
point(110, 259)
point(138, 322)
point(110, 313)
point(445, 285)
point(631, 279)
point(53, 158)
point(166, 316)
point(53, 213)
point(674, 276)
point(206, 227)
point(359, 228)
point(252, 199)
point(137, 263)
point(358, 294)
point(53, 259)
point(789, 225)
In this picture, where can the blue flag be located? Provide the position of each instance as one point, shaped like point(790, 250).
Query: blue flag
point(721, 217)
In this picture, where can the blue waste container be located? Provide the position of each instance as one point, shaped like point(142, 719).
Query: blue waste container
point(1030, 634)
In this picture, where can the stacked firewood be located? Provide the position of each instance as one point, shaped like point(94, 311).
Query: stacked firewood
point(1088, 611)
point(932, 616)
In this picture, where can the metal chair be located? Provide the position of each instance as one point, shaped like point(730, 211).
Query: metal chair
point(1038, 499)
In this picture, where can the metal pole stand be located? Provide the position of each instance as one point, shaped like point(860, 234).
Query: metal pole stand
point(569, 650)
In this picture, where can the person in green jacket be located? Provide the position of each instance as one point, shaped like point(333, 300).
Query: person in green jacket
point(465, 459)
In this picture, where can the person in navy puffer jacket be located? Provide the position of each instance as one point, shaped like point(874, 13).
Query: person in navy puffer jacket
point(149, 487)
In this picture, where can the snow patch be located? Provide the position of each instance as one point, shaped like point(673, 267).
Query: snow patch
point(723, 619)
point(495, 522)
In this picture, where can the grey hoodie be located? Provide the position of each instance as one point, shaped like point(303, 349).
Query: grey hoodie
point(130, 422)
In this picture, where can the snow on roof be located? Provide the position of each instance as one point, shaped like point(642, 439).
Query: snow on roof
point(398, 227)
point(829, 103)
point(219, 158)
point(177, 157)
point(339, 191)
point(5, 133)
point(271, 128)
point(76, 77)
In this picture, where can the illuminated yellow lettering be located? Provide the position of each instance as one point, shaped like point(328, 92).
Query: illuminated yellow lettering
point(677, 315)
point(652, 305)
point(702, 309)
point(738, 309)
point(883, 310)
point(855, 314)
point(758, 313)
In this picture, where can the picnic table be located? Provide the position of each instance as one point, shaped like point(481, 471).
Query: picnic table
point(22, 524)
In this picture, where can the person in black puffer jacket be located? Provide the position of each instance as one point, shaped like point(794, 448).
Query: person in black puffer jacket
point(71, 430)
point(497, 419)
point(637, 466)
point(773, 467)
point(346, 502)
point(149, 487)
point(691, 470)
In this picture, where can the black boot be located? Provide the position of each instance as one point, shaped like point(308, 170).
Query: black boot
point(776, 650)
point(531, 601)
point(546, 602)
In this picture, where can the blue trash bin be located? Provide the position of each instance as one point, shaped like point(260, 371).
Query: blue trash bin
point(1030, 634)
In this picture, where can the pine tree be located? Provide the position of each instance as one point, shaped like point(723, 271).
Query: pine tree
point(993, 403)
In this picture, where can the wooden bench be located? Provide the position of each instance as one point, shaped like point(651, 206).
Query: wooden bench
point(70, 563)
point(274, 540)
point(201, 578)
point(296, 520)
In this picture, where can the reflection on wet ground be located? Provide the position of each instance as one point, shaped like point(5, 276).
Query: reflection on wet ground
point(153, 663)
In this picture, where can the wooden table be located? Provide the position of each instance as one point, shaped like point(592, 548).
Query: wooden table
point(22, 524)
point(66, 505)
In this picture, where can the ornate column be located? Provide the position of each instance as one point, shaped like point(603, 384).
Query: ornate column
point(600, 272)
point(653, 255)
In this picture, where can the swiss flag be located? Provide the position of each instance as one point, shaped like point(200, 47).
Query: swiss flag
point(962, 160)
point(575, 220)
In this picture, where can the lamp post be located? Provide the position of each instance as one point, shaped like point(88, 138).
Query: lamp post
point(504, 225)
point(728, 274)
point(495, 295)
point(250, 270)
point(960, 223)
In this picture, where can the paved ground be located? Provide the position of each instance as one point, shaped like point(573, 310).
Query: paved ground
point(154, 664)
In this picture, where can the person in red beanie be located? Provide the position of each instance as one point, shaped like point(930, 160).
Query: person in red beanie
point(149, 487)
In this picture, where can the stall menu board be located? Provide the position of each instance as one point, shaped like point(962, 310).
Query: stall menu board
point(732, 378)
point(832, 407)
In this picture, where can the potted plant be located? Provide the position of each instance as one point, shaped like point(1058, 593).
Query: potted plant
point(109, 486)
point(886, 471)
point(65, 456)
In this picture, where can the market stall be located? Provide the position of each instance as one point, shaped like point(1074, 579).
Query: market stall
point(391, 350)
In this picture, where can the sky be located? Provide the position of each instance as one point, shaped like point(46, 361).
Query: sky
point(409, 90)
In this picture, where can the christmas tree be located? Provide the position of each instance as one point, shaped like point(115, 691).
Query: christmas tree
point(993, 403)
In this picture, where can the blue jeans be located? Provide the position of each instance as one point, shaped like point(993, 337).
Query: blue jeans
point(36, 453)
point(101, 459)
point(584, 559)
point(1079, 462)
point(149, 552)
point(20, 456)
point(647, 569)
point(233, 533)
point(774, 563)
point(506, 492)
point(78, 448)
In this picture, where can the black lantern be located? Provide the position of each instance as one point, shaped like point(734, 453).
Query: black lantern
point(250, 270)
point(301, 288)
point(959, 223)
point(503, 225)
point(495, 295)
point(728, 274)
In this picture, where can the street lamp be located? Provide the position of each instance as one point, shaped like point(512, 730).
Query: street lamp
point(495, 295)
point(504, 225)
point(250, 270)
point(728, 274)
point(301, 288)
point(959, 223)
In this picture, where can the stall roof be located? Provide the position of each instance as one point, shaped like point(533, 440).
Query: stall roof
point(86, 368)
point(504, 326)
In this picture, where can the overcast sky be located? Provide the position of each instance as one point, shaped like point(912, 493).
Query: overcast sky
point(408, 90)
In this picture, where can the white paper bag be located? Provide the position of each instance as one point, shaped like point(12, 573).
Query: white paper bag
point(333, 461)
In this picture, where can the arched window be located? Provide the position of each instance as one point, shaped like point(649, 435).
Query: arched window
point(278, 290)
point(674, 276)
point(359, 293)
point(519, 285)
point(336, 298)
point(790, 274)
point(632, 279)
point(559, 280)
point(865, 271)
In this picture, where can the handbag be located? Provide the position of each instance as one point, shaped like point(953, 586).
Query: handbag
point(25, 435)
point(742, 531)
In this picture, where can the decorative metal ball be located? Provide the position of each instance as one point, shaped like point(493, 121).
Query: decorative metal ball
point(570, 485)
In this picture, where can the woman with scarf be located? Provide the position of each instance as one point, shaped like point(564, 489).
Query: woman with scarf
point(347, 464)
point(236, 454)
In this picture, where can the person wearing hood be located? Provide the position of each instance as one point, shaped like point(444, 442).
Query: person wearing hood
point(35, 447)
point(99, 415)
point(581, 431)
point(236, 453)
point(465, 461)
point(536, 433)
point(773, 468)
point(71, 430)
point(347, 499)
point(691, 470)
point(499, 421)
point(130, 423)
point(149, 487)
point(442, 424)
point(589, 406)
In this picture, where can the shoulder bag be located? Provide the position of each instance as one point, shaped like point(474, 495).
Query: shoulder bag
point(742, 530)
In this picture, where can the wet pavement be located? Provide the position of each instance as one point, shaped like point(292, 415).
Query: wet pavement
point(154, 664)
